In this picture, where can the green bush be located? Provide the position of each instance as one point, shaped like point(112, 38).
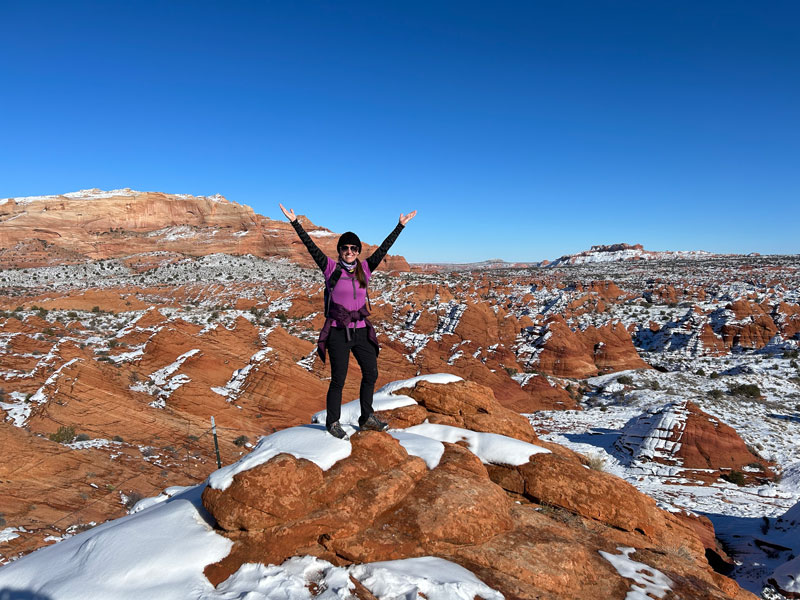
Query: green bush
point(64, 435)
point(734, 477)
point(715, 394)
point(714, 375)
point(241, 441)
point(625, 380)
point(82, 437)
point(748, 390)
point(95, 309)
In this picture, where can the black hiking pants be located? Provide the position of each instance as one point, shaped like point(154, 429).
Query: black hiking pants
point(339, 354)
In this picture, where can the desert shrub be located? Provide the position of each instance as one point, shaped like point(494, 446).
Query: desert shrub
point(2, 519)
point(511, 371)
point(49, 331)
point(596, 462)
point(82, 437)
point(117, 438)
point(625, 379)
point(700, 372)
point(748, 390)
point(95, 309)
point(281, 316)
point(64, 435)
point(241, 441)
point(714, 375)
point(654, 385)
point(132, 498)
point(791, 354)
point(715, 394)
point(72, 315)
point(734, 477)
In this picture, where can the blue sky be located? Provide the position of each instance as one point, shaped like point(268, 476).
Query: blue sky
point(519, 130)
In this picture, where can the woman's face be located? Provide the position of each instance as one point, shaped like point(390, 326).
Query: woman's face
point(348, 253)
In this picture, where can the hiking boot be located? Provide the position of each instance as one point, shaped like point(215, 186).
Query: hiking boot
point(336, 431)
point(373, 424)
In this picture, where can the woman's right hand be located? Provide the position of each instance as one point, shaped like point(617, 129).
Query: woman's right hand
point(289, 214)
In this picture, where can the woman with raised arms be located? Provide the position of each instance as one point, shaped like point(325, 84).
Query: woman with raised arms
point(347, 328)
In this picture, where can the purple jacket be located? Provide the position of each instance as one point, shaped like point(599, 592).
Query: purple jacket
point(347, 296)
point(347, 292)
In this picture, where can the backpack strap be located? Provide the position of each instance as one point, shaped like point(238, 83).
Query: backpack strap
point(329, 285)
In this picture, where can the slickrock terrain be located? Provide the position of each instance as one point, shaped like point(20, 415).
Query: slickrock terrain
point(680, 434)
point(539, 529)
point(121, 336)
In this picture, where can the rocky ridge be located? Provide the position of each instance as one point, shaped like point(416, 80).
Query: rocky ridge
point(94, 225)
point(535, 528)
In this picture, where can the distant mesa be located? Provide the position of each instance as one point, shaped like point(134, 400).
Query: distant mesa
point(625, 252)
point(596, 254)
point(94, 225)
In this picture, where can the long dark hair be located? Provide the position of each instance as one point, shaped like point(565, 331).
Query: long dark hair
point(360, 275)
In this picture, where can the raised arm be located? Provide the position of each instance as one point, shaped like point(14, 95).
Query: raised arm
point(376, 257)
point(317, 254)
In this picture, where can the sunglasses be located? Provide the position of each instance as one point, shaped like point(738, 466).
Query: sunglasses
point(349, 248)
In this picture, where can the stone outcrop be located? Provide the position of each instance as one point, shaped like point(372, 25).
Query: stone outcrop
point(580, 354)
point(530, 531)
point(680, 434)
point(93, 224)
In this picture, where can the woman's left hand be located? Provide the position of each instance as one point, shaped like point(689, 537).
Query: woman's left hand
point(406, 218)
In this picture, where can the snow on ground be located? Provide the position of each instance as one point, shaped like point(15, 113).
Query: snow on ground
point(160, 384)
point(311, 442)
point(409, 579)
point(385, 398)
point(648, 582)
point(769, 425)
point(491, 448)
point(18, 412)
point(233, 388)
point(125, 558)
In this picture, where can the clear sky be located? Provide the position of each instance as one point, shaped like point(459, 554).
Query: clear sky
point(519, 130)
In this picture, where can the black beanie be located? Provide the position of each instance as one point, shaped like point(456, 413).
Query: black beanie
point(348, 239)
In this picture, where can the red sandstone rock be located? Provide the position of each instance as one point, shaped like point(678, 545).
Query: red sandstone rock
point(380, 504)
point(96, 225)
